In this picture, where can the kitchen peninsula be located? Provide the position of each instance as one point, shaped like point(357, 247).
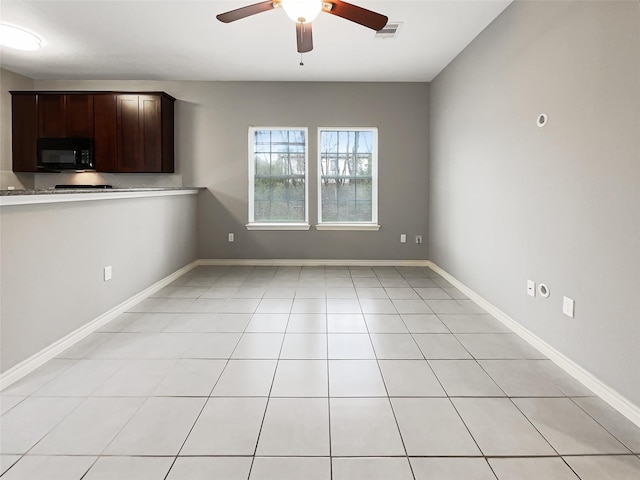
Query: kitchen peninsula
point(58, 248)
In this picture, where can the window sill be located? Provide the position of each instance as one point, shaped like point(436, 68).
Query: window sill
point(278, 226)
point(369, 227)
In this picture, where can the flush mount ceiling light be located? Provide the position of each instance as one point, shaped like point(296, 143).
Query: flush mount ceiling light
point(16, 37)
point(303, 12)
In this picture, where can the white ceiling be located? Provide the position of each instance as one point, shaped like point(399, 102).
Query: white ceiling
point(182, 40)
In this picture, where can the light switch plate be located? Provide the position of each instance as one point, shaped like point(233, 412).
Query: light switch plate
point(107, 273)
point(531, 288)
point(568, 306)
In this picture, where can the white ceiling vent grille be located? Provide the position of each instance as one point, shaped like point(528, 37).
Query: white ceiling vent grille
point(390, 30)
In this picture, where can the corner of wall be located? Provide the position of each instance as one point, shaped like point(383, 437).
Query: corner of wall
point(10, 81)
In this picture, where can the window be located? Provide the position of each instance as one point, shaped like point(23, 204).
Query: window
point(278, 179)
point(348, 178)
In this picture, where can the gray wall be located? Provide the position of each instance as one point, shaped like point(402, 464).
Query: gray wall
point(400, 111)
point(212, 122)
point(10, 81)
point(510, 201)
point(52, 258)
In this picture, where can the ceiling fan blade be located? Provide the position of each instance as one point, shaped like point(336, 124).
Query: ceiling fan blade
point(304, 37)
point(356, 14)
point(247, 11)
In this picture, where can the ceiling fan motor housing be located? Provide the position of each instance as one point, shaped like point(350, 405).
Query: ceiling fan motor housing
point(302, 11)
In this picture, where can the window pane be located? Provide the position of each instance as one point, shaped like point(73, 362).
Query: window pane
point(263, 164)
point(346, 200)
point(279, 200)
point(279, 176)
point(346, 175)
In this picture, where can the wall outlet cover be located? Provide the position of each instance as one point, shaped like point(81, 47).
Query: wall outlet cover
point(531, 288)
point(568, 306)
point(403, 238)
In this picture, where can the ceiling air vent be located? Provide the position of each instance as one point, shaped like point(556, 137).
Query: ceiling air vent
point(390, 30)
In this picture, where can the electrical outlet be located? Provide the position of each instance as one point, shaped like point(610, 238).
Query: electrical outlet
point(403, 238)
point(419, 239)
point(232, 237)
point(107, 273)
point(531, 288)
point(568, 306)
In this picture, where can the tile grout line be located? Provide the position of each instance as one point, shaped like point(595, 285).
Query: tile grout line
point(326, 322)
point(448, 397)
point(204, 405)
point(572, 398)
point(393, 412)
point(266, 408)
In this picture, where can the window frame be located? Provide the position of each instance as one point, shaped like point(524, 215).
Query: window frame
point(252, 224)
point(363, 226)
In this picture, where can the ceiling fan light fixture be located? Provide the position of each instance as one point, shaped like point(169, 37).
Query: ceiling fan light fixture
point(18, 38)
point(302, 11)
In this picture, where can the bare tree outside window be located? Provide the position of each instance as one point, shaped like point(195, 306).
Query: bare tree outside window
point(347, 163)
point(279, 175)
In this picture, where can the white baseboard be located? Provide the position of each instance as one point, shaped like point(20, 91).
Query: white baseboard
point(612, 397)
point(306, 262)
point(25, 367)
point(608, 394)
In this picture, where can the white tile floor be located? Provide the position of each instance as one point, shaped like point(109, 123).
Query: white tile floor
point(309, 374)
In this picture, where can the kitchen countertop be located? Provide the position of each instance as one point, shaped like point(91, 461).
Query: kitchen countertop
point(25, 197)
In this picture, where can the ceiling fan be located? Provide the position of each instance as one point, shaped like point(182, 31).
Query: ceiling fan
point(303, 12)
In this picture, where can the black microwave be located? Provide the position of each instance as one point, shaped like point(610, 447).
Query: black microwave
point(66, 154)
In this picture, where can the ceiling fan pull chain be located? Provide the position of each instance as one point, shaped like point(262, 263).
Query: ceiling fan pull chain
point(301, 63)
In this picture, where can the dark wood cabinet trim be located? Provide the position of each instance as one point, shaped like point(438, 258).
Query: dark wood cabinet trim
point(168, 145)
point(89, 92)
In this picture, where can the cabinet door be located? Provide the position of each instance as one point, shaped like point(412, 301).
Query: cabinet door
point(51, 115)
point(128, 128)
point(106, 140)
point(24, 132)
point(79, 115)
point(61, 115)
point(151, 132)
point(139, 125)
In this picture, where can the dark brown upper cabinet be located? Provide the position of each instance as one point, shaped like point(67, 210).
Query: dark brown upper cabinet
point(24, 131)
point(133, 132)
point(106, 144)
point(65, 115)
point(145, 133)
